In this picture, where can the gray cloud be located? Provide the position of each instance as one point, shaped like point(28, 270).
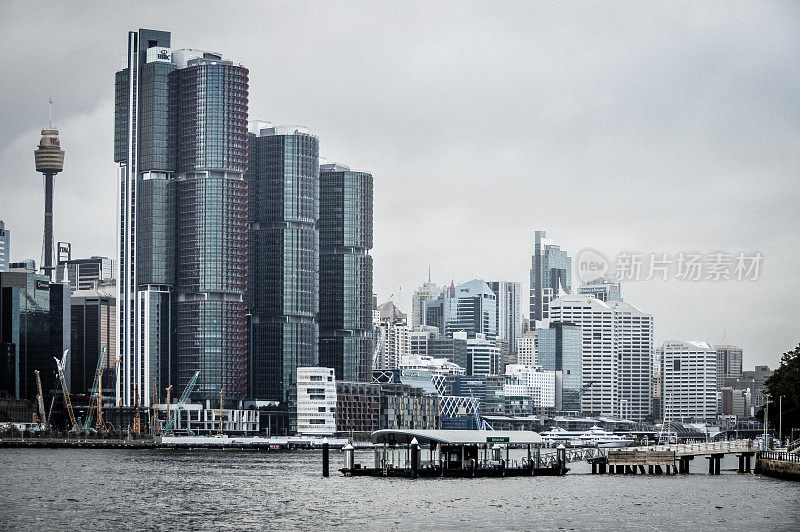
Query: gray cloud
point(619, 127)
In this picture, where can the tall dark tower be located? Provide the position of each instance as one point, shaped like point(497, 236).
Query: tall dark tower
point(49, 161)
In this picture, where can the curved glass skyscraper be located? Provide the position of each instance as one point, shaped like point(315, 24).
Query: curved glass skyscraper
point(345, 272)
point(283, 289)
point(180, 138)
point(211, 226)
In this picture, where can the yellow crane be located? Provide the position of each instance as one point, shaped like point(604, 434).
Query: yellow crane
point(40, 400)
point(65, 390)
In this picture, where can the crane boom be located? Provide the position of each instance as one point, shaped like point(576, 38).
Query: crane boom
point(173, 416)
point(65, 390)
point(94, 398)
point(40, 399)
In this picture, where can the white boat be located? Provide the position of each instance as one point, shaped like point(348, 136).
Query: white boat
point(594, 437)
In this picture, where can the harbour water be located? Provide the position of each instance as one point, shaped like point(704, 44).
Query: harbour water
point(131, 489)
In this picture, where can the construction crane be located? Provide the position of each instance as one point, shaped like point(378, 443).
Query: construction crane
point(100, 424)
point(137, 418)
point(220, 412)
point(65, 390)
point(376, 352)
point(154, 425)
point(173, 416)
point(94, 397)
point(40, 399)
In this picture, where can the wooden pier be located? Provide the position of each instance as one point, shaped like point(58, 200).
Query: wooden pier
point(672, 459)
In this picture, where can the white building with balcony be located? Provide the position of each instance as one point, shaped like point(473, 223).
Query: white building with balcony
point(316, 402)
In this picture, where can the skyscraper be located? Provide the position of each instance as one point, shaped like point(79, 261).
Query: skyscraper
point(617, 354)
point(93, 329)
point(428, 290)
point(551, 274)
point(561, 351)
point(509, 318)
point(729, 363)
point(283, 292)
point(5, 246)
point(181, 143)
point(470, 306)
point(34, 327)
point(688, 373)
point(345, 272)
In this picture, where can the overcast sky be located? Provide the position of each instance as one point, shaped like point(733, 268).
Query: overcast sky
point(621, 127)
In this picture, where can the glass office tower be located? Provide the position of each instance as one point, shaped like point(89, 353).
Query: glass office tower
point(211, 225)
point(561, 350)
point(345, 272)
point(551, 273)
point(180, 138)
point(283, 271)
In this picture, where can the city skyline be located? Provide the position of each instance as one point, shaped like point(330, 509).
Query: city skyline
point(413, 226)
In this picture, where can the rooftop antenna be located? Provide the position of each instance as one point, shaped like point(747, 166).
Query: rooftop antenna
point(429, 272)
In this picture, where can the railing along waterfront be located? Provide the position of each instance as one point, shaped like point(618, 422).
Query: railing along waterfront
point(700, 448)
point(780, 456)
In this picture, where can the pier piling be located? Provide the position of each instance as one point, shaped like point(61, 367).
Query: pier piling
point(326, 451)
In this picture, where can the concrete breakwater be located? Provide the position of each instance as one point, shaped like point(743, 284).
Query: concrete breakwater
point(779, 465)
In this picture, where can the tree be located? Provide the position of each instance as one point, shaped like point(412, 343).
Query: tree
point(785, 381)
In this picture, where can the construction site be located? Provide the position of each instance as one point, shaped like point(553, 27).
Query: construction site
point(95, 420)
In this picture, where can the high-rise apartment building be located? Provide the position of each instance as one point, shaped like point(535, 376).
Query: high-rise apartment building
point(345, 272)
point(394, 340)
point(180, 138)
point(617, 354)
point(508, 315)
point(729, 363)
point(83, 273)
point(689, 377)
point(428, 290)
point(5, 247)
point(551, 274)
point(283, 291)
point(561, 350)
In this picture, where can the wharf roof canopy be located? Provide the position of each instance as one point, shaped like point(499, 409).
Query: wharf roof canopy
point(456, 437)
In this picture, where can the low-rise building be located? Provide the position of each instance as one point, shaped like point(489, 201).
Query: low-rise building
point(358, 407)
point(202, 420)
point(407, 407)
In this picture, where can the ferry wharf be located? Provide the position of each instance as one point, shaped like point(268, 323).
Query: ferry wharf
point(408, 453)
point(672, 459)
